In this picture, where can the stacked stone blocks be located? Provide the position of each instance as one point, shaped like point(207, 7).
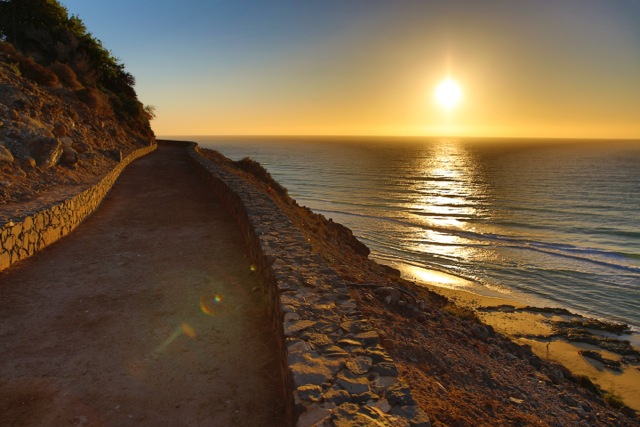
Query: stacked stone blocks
point(21, 237)
point(335, 371)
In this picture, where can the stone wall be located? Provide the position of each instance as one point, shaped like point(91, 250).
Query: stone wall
point(22, 236)
point(334, 369)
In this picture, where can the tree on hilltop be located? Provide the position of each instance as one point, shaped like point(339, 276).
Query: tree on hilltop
point(43, 31)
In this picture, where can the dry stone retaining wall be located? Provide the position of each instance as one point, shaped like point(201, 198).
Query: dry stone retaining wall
point(334, 369)
point(23, 236)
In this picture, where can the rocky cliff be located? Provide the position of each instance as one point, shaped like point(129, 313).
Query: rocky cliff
point(53, 131)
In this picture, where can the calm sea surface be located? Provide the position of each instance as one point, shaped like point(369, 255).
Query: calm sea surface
point(553, 223)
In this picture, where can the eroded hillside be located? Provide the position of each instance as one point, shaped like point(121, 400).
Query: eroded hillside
point(68, 107)
point(54, 135)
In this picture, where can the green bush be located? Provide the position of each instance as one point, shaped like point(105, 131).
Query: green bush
point(43, 31)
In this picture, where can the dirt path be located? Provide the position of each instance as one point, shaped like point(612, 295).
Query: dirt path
point(144, 315)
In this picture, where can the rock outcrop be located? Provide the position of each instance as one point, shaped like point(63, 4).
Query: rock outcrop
point(52, 136)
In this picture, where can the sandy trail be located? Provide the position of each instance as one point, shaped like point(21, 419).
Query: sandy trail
point(144, 315)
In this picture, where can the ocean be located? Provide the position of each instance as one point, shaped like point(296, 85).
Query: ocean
point(550, 223)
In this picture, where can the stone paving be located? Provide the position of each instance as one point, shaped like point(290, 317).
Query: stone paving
point(334, 366)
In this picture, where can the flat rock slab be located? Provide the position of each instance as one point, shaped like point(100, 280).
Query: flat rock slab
point(144, 315)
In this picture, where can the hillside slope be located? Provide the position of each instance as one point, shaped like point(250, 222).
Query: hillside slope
point(68, 107)
point(53, 136)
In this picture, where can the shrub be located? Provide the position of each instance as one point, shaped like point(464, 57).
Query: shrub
point(95, 99)
point(129, 110)
point(461, 311)
point(256, 169)
point(36, 72)
point(15, 67)
point(614, 400)
point(8, 50)
point(81, 65)
point(150, 112)
point(66, 76)
point(586, 382)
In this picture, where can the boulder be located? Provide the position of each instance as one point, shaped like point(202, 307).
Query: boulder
point(69, 156)
point(80, 146)
point(60, 130)
point(17, 149)
point(36, 126)
point(46, 151)
point(5, 155)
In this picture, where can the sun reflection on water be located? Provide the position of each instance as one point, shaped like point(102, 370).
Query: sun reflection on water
point(434, 277)
point(441, 199)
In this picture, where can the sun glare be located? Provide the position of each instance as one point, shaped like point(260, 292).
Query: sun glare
point(448, 93)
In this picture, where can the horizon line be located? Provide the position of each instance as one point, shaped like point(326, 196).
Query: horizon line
point(377, 136)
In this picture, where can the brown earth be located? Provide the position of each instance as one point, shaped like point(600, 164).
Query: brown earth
point(86, 139)
point(145, 315)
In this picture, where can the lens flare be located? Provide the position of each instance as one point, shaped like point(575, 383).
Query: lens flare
point(208, 303)
point(183, 329)
point(188, 330)
point(205, 306)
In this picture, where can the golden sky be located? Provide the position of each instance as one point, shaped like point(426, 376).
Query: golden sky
point(369, 67)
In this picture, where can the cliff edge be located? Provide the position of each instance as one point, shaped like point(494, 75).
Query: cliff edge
point(460, 370)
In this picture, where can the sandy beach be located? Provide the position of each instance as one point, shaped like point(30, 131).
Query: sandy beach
point(536, 329)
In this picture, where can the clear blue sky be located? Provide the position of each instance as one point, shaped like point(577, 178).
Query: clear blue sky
point(527, 68)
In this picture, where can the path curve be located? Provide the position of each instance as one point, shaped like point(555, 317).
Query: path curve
point(144, 315)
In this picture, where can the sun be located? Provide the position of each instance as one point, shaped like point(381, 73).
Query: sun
point(448, 93)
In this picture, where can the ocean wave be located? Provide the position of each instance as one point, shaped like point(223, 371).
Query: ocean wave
point(570, 251)
point(431, 178)
point(615, 232)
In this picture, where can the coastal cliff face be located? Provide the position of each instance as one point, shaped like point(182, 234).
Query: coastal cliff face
point(461, 372)
point(53, 131)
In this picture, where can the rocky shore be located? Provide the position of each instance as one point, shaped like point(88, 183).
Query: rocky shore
point(460, 370)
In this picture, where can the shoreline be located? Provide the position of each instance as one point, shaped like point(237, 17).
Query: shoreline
point(458, 370)
point(536, 329)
